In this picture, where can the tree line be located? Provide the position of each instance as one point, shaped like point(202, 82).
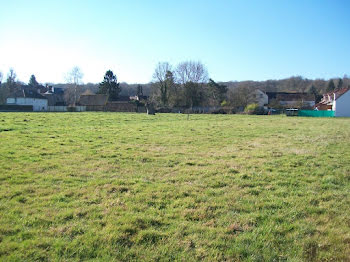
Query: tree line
point(185, 85)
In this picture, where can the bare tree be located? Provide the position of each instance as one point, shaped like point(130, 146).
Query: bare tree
point(11, 81)
point(3, 91)
point(74, 78)
point(192, 75)
point(191, 71)
point(241, 96)
point(163, 79)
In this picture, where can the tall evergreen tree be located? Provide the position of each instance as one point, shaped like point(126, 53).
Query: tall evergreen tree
point(110, 86)
point(217, 91)
point(313, 90)
point(139, 91)
point(340, 83)
point(33, 82)
point(331, 86)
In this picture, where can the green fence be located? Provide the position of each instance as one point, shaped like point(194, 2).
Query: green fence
point(315, 113)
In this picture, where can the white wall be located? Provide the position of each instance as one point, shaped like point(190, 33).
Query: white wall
point(38, 104)
point(341, 105)
point(261, 98)
point(65, 108)
point(10, 101)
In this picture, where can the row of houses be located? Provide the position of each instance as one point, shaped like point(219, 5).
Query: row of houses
point(53, 100)
point(33, 97)
point(337, 101)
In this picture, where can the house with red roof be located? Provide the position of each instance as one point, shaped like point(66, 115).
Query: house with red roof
point(337, 101)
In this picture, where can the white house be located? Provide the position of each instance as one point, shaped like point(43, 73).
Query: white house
point(338, 101)
point(28, 97)
point(341, 104)
point(261, 97)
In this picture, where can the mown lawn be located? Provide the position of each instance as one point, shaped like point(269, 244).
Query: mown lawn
point(111, 187)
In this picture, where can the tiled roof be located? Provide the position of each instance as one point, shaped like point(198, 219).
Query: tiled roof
point(285, 96)
point(27, 93)
point(295, 97)
point(330, 95)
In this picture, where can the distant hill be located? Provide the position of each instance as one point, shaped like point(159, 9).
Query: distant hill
point(292, 84)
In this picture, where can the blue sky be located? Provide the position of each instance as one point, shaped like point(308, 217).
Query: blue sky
point(236, 40)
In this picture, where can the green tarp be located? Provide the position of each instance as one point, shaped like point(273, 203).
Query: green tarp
point(316, 113)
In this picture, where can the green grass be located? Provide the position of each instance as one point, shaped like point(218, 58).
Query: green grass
point(111, 187)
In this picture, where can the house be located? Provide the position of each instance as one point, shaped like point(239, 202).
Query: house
point(260, 97)
point(55, 96)
point(337, 101)
point(28, 97)
point(100, 102)
point(287, 99)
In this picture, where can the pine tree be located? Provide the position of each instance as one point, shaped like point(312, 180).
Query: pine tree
point(110, 86)
point(330, 86)
point(33, 82)
point(340, 83)
point(313, 90)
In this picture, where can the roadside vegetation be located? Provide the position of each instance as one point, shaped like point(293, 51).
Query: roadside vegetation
point(108, 186)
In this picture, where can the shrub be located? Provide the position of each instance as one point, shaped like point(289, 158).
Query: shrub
point(254, 109)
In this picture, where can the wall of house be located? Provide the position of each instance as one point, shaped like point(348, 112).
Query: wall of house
point(341, 106)
point(38, 104)
point(261, 98)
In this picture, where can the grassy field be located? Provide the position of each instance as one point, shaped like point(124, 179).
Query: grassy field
point(111, 187)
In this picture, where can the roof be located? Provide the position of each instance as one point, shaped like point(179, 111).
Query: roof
point(26, 93)
point(285, 96)
point(338, 92)
point(58, 90)
point(295, 97)
point(328, 98)
point(93, 100)
point(123, 98)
